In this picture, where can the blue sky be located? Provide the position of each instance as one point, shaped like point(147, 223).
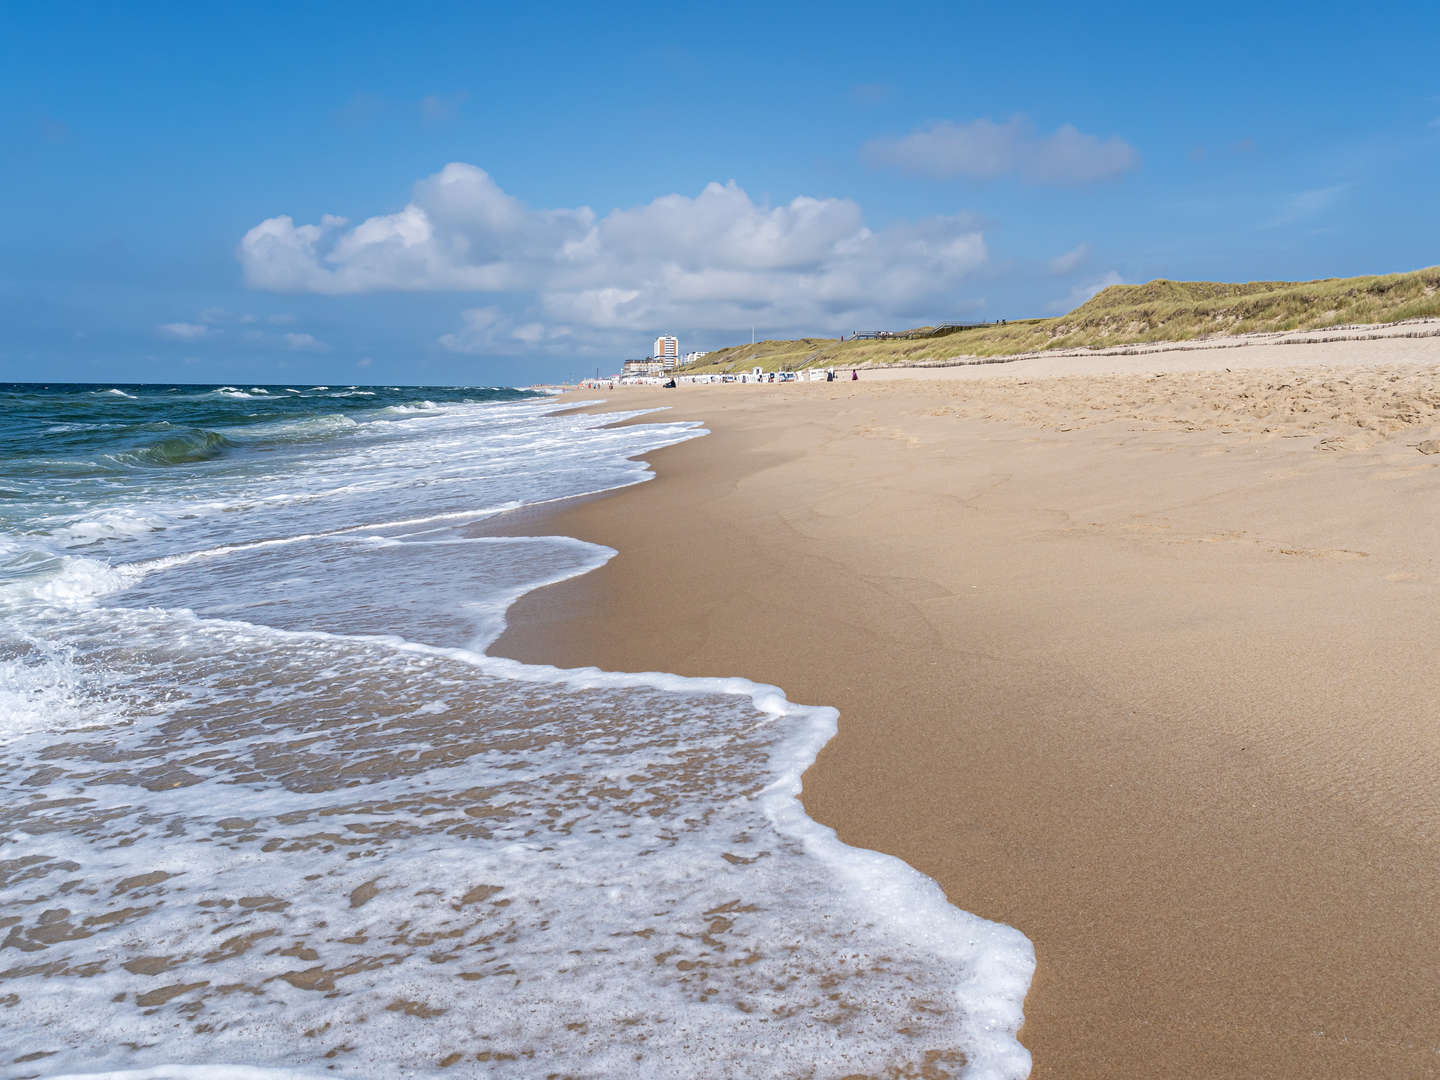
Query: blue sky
point(461, 194)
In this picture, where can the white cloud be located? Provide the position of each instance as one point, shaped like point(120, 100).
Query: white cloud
point(1070, 260)
point(717, 260)
point(304, 343)
point(1306, 204)
point(983, 150)
point(184, 331)
point(460, 231)
point(1083, 292)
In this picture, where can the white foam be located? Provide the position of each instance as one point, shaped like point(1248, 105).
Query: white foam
point(628, 892)
point(35, 578)
point(43, 688)
point(66, 429)
point(199, 1072)
point(414, 407)
point(310, 427)
point(118, 521)
point(451, 461)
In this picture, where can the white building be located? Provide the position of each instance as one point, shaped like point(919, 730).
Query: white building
point(693, 357)
point(667, 349)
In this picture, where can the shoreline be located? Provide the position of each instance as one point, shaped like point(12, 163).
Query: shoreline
point(1168, 715)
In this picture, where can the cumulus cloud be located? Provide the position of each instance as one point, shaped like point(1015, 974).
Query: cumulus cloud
point(716, 260)
point(184, 331)
point(1083, 292)
point(984, 150)
point(1070, 260)
point(460, 231)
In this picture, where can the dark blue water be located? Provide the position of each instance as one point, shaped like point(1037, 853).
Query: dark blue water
point(101, 429)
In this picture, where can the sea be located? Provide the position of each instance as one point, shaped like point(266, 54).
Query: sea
point(269, 809)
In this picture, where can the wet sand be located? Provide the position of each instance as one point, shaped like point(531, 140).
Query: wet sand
point(1142, 666)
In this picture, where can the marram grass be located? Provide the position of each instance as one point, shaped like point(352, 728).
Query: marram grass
point(1123, 315)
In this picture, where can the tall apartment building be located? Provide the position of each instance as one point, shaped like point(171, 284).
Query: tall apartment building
point(667, 349)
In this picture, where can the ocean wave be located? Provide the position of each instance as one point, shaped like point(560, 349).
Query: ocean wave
point(300, 430)
point(414, 407)
point(71, 429)
point(196, 444)
point(31, 572)
point(112, 392)
point(112, 523)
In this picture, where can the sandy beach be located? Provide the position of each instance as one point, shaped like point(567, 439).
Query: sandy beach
point(1133, 653)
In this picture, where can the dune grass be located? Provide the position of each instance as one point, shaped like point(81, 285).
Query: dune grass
point(1160, 310)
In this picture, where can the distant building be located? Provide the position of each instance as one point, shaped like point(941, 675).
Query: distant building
point(693, 357)
point(649, 365)
point(667, 351)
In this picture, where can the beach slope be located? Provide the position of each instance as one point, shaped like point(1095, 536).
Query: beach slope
point(1137, 657)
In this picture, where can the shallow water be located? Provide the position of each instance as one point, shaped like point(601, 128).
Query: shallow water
point(268, 804)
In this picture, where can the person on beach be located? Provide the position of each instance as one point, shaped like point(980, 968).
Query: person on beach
point(854, 375)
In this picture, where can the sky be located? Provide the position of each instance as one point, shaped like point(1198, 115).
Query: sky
point(459, 194)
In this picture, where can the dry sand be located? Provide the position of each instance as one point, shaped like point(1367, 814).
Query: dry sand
point(1143, 666)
